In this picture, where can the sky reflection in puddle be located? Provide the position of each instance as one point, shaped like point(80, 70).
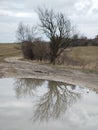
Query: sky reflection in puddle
point(39, 104)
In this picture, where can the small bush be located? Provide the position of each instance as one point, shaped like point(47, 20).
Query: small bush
point(27, 50)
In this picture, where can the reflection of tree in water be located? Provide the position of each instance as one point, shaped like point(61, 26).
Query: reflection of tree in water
point(26, 86)
point(54, 102)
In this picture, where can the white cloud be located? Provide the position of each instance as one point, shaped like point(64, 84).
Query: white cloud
point(83, 6)
point(16, 14)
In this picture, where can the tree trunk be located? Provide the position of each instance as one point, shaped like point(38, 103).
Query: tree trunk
point(52, 60)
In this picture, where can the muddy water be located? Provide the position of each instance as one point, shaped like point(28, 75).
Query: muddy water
point(27, 104)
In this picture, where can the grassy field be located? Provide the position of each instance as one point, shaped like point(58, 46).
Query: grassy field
point(82, 57)
point(8, 50)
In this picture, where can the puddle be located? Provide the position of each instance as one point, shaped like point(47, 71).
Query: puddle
point(27, 104)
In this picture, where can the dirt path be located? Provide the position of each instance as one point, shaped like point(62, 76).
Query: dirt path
point(15, 68)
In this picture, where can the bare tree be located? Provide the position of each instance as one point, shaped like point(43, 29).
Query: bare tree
point(20, 33)
point(26, 33)
point(26, 36)
point(57, 28)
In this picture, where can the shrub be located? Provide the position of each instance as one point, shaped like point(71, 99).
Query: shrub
point(27, 50)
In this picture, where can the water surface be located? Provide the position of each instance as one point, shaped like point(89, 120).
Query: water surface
point(27, 104)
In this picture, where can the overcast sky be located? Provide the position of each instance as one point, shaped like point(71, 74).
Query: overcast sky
point(82, 13)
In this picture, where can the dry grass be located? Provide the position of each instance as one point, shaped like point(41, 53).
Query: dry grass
point(82, 57)
point(8, 50)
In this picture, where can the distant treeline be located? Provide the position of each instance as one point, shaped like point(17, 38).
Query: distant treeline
point(84, 42)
